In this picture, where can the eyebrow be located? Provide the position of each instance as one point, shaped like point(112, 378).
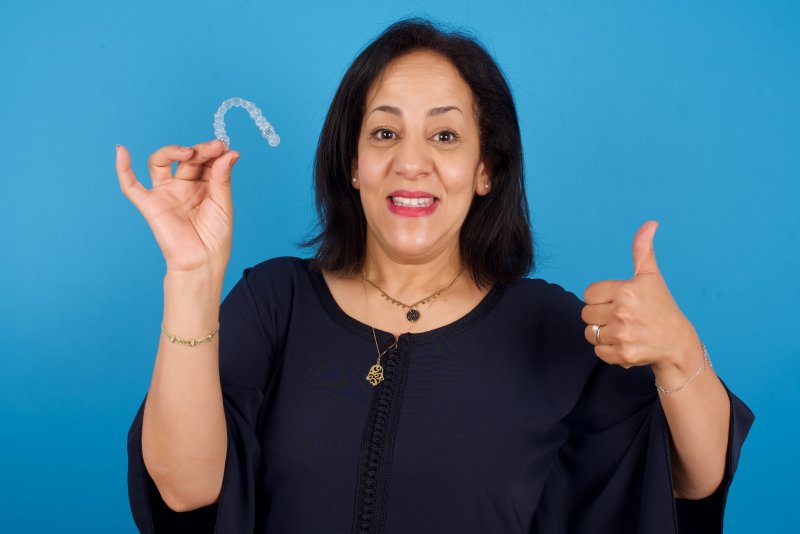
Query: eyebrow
point(431, 112)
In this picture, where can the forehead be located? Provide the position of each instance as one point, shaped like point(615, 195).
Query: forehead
point(422, 79)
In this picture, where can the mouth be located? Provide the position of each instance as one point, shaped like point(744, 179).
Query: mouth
point(422, 202)
point(412, 203)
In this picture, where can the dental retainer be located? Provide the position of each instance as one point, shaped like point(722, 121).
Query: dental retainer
point(267, 131)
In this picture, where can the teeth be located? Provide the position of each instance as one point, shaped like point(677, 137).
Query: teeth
point(412, 202)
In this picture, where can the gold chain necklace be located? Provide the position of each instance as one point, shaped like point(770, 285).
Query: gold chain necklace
point(375, 374)
point(413, 314)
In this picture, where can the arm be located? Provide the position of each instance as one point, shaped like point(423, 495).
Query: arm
point(699, 418)
point(246, 350)
point(184, 436)
point(637, 322)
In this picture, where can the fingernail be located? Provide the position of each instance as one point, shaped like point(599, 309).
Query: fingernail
point(234, 160)
point(185, 148)
point(117, 147)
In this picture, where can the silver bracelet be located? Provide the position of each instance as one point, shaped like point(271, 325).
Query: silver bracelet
point(706, 363)
point(190, 342)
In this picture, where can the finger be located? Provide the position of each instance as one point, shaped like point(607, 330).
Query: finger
point(130, 186)
point(608, 334)
point(160, 162)
point(590, 334)
point(219, 184)
point(597, 313)
point(602, 292)
point(192, 169)
point(229, 158)
point(220, 171)
point(644, 256)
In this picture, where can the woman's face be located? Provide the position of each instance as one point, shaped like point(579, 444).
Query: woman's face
point(418, 164)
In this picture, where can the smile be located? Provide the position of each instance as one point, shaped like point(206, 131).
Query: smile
point(413, 202)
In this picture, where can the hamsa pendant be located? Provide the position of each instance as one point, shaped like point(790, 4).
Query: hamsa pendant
point(375, 375)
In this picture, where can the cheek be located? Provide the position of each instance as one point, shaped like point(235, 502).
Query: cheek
point(372, 167)
point(459, 179)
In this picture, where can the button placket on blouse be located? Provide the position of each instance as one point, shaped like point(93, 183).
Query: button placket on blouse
point(378, 442)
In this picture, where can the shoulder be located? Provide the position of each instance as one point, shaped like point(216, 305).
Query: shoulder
point(537, 294)
point(270, 283)
point(550, 314)
point(265, 296)
point(275, 273)
point(282, 266)
point(542, 320)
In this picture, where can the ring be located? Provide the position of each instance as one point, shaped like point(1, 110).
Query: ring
point(596, 329)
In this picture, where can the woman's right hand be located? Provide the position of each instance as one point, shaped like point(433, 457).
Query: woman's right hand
point(190, 213)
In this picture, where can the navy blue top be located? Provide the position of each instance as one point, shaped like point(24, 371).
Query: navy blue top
point(503, 421)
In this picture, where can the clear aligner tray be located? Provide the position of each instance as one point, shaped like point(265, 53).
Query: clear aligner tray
point(267, 131)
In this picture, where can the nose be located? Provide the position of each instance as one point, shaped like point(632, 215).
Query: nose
point(412, 158)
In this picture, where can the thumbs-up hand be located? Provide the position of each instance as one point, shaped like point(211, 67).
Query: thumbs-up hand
point(637, 322)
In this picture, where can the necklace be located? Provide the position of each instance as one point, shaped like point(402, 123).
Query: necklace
point(413, 314)
point(375, 374)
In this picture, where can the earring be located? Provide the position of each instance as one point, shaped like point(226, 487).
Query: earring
point(354, 180)
point(486, 186)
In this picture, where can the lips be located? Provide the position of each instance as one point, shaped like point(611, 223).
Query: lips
point(412, 203)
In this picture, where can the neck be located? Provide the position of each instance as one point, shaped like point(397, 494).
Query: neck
point(403, 278)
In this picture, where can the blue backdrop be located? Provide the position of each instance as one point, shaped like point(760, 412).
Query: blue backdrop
point(684, 112)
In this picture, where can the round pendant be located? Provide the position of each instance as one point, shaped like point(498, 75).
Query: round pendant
point(413, 315)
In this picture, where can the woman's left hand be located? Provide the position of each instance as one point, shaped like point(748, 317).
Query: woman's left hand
point(639, 321)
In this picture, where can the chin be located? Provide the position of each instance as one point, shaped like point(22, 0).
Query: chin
point(412, 239)
point(412, 247)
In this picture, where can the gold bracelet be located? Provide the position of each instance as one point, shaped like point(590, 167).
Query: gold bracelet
point(191, 342)
point(706, 363)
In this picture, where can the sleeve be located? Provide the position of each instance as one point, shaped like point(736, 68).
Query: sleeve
point(247, 341)
point(613, 473)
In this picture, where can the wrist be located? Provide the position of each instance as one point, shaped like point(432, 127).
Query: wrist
point(191, 303)
point(205, 281)
point(674, 374)
point(680, 363)
point(686, 355)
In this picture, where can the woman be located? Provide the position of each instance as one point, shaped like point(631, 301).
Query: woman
point(408, 378)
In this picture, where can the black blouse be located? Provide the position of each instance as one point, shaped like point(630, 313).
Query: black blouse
point(503, 421)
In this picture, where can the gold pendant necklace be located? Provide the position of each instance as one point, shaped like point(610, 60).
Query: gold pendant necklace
point(413, 315)
point(375, 374)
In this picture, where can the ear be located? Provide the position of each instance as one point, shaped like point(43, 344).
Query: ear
point(483, 184)
point(354, 174)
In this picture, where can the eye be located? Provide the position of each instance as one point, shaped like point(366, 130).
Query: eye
point(447, 136)
point(382, 134)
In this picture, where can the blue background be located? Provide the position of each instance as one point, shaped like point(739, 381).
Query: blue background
point(684, 112)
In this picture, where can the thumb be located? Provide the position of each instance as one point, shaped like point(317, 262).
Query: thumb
point(644, 256)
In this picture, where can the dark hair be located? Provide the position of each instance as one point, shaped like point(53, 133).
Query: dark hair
point(495, 242)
